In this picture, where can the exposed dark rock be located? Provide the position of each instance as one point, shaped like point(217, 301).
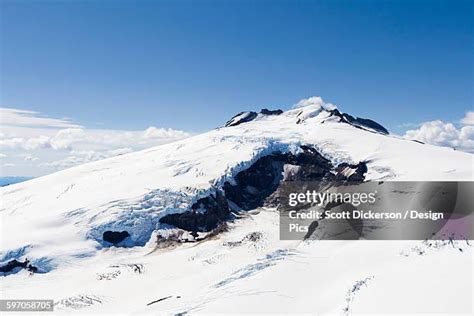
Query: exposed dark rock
point(271, 112)
point(115, 237)
point(359, 122)
point(206, 213)
point(250, 238)
point(253, 185)
point(248, 116)
point(220, 228)
point(240, 118)
point(311, 229)
point(256, 184)
point(169, 241)
point(159, 300)
point(350, 172)
point(260, 185)
point(12, 264)
point(314, 166)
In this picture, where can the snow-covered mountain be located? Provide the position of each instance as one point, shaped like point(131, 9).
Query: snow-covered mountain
point(142, 231)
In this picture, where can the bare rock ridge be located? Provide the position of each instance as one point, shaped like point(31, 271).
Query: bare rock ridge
point(254, 186)
point(115, 237)
point(248, 116)
point(358, 122)
point(271, 112)
point(258, 186)
point(240, 118)
point(14, 266)
point(206, 213)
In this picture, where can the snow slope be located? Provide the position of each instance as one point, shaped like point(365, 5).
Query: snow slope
point(57, 222)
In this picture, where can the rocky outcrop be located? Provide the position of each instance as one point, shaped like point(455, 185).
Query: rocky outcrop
point(271, 112)
point(244, 117)
point(205, 215)
point(351, 172)
point(360, 122)
point(254, 186)
point(240, 118)
point(115, 237)
point(259, 186)
point(12, 265)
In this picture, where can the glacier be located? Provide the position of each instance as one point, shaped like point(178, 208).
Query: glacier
point(58, 221)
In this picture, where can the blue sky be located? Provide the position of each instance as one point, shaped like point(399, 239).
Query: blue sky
point(191, 65)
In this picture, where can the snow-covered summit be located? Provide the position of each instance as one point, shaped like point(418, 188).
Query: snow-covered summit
point(309, 108)
point(66, 213)
point(68, 222)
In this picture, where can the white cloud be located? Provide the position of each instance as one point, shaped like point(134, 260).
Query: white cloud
point(17, 117)
point(314, 101)
point(25, 143)
point(28, 138)
point(65, 138)
point(468, 119)
point(59, 144)
point(156, 133)
point(446, 134)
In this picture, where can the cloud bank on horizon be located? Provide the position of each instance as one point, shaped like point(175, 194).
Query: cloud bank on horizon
point(446, 134)
point(32, 144)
